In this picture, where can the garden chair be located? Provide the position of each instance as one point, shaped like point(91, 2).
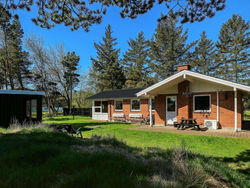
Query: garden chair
point(67, 128)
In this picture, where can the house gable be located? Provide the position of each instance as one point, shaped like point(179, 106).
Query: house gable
point(200, 82)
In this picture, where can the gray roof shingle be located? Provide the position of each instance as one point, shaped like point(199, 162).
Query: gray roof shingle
point(116, 94)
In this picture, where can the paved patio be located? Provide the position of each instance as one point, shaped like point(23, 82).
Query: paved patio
point(219, 132)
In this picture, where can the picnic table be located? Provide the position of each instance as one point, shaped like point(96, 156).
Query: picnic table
point(189, 122)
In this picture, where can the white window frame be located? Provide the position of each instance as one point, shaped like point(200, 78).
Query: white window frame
point(98, 107)
point(133, 110)
point(120, 110)
point(151, 104)
point(201, 96)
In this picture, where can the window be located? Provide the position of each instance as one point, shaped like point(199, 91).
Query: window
point(104, 106)
point(135, 105)
point(202, 103)
point(118, 105)
point(34, 108)
point(31, 108)
point(153, 105)
point(97, 106)
point(171, 104)
point(100, 106)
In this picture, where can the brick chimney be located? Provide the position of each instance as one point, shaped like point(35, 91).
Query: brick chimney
point(183, 67)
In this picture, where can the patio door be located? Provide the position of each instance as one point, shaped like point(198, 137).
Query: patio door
point(171, 110)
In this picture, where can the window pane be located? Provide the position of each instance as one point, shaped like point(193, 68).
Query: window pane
point(97, 109)
point(153, 104)
point(202, 103)
point(34, 108)
point(28, 110)
point(118, 105)
point(136, 104)
point(171, 104)
point(104, 106)
point(97, 103)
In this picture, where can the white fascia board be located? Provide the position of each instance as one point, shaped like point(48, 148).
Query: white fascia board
point(196, 75)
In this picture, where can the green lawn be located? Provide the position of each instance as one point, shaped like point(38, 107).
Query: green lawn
point(208, 145)
point(41, 157)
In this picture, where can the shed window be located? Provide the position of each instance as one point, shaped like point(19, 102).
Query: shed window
point(34, 108)
point(135, 105)
point(31, 108)
point(202, 103)
point(118, 105)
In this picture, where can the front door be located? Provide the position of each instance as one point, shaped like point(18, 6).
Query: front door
point(171, 110)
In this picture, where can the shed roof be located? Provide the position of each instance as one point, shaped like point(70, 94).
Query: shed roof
point(116, 94)
point(22, 92)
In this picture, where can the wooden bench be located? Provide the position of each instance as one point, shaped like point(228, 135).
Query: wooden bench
point(137, 118)
point(119, 117)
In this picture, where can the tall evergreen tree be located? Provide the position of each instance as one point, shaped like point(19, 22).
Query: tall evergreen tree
point(169, 47)
point(106, 65)
point(204, 59)
point(70, 64)
point(136, 63)
point(233, 49)
point(13, 61)
point(20, 63)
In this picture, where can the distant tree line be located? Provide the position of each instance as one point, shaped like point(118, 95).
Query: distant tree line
point(148, 61)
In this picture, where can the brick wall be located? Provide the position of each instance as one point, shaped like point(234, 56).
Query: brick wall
point(160, 109)
point(144, 108)
point(183, 103)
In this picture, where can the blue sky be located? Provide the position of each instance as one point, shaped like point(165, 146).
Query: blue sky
point(83, 43)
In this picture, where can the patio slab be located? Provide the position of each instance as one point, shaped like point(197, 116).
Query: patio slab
point(219, 132)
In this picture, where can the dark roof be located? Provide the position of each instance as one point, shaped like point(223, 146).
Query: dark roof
point(117, 93)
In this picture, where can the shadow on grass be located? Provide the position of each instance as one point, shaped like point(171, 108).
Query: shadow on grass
point(240, 159)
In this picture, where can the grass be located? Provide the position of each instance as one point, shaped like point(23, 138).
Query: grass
point(40, 157)
point(247, 115)
point(208, 145)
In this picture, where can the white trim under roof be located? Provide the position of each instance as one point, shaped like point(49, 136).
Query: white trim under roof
point(22, 92)
point(185, 73)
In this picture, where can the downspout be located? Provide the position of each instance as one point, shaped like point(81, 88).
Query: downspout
point(235, 110)
point(150, 113)
point(218, 107)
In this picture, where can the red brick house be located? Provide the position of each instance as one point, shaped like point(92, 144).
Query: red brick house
point(186, 94)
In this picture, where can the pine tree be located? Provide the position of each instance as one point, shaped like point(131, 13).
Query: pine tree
point(233, 49)
point(136, 63)
point(169, 47)
point(70, 64)
point(204, 59)
point(106, 65)
point(5, 28)
point(20, 63)
point(14, 63)
point(83, 13)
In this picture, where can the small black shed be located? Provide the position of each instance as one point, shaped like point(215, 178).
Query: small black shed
point(20, 105)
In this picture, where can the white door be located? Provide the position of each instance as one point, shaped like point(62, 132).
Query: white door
point(171, 110)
